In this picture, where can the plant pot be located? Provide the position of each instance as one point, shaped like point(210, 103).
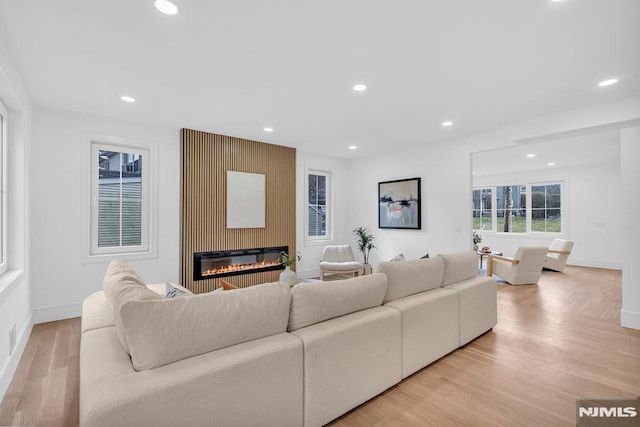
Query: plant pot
point(366, 269)
point(289, 277)
point(476, 247)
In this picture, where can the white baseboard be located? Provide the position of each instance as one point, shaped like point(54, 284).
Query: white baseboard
point(308, 274)
point(595, 264)
point(57, 312)
point(629, 319)
point(12, 363)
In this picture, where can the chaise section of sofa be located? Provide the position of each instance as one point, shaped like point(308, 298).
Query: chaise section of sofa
point(352, 345)
point(255, 383)
point(213, 359)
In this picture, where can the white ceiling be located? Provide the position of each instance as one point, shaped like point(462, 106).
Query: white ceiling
point(236, 66)
point(590, 149)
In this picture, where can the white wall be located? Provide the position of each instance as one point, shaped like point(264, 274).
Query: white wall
point(592, 198)
point(446, 191)
point(60, 279)
point(446, 182)
point(15, 291)
point(311, 252)
point(630, 207)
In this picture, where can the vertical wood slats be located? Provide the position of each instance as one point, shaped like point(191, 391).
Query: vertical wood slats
point(205, 159)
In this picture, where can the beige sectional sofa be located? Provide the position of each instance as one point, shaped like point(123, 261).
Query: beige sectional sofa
point(269, 355)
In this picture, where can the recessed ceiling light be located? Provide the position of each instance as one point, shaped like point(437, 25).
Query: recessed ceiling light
point(353, 147)
point(126, 98)
point(551, 164)
point(447, 124)
point(608, 82)
point(360, 87)
point(531, 155)
point(166, 7)
point(268, 129)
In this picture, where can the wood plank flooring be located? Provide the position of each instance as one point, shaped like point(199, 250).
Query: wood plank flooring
point(554, 342)
point(44, 390)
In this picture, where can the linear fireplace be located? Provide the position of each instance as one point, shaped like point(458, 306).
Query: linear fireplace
point(207, 265)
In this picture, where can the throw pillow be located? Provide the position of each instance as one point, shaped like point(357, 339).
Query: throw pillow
point(399, 257)
point(173, 291)
point(227, 286)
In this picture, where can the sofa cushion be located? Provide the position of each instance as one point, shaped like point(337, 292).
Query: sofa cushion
point(406, 278)
point(96, 312)
point(126, 291)
point(459, 266)
point(118, 271)
point(163, 331)
point(319, 301)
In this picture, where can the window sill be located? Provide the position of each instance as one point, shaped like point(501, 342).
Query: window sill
point(125, 256)
point(319, 242)
point(8, 281)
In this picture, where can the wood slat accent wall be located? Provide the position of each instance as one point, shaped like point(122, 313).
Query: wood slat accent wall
point(205, 159)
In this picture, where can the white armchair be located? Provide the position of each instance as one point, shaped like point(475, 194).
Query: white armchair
point(558, 254)
point(339, 260)
point(524, 268)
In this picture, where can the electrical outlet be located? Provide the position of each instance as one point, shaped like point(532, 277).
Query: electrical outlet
point(12, 339)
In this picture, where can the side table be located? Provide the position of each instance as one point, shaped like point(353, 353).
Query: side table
point(483, 254)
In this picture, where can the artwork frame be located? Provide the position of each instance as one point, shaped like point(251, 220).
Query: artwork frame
point(400, 204)
point(246, 195)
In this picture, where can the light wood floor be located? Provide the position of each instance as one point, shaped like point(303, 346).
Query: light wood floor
point(554, 342)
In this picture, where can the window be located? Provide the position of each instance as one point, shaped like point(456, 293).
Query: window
point(482, 209)
point(318, 221)
point(120, 217)
point(530, 208)
point(3, 188)
point(546, 208)
point(511, 205)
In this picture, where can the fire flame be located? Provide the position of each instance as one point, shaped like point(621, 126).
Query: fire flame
point(239, 267)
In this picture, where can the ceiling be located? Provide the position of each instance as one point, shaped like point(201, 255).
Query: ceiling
point(235, 67)
point(590, 149)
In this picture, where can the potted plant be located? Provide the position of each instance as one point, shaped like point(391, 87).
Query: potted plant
point(476, 239)
point(364, 240)
point(288, 276)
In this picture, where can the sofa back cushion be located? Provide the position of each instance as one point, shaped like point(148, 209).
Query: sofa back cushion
point(162, 331)
point(117, 273)
point(410, 277)
point(459, 266)
point(319, 301)
point(121, 284)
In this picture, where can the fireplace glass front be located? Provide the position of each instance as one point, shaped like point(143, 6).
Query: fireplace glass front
point(207, 265)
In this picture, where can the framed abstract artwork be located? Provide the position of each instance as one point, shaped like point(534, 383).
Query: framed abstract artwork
point(399, 204)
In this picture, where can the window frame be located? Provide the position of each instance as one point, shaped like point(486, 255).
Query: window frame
point(148, 247)
point(473, 209)
point(529, 184)
point(4, 134)
point(329, 206)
